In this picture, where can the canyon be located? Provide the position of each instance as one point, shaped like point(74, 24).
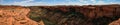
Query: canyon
point(60, 15)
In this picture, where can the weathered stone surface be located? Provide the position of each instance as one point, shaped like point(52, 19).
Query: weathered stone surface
point(78, 15)
point(59, 15)
point(117, 22)
point(15, 16)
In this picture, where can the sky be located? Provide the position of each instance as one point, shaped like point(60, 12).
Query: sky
point(57, 2)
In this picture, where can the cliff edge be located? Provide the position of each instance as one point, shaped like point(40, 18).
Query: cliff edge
point(15, 15)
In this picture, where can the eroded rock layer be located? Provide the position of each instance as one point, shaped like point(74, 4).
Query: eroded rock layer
point(76, 15)
point(117, 22)
point(59, 15)
point(15, 15)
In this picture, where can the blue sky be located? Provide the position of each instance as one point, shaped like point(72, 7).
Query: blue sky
point(57, 2)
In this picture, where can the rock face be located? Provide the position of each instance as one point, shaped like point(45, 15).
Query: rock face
point(117, 22)
point(13, 15)
point(77, 15)
point(59, 15)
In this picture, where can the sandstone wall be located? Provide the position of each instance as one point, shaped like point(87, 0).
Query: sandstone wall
point(15, 16)
point(77, 15)
point(117, 22)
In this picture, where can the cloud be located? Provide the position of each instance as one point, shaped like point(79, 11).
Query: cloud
point(71, 3)
point(92, 0)
point(83, 1)
point(100, 3)
point(26, 1)
point(97, 2)
point(1, 1)
point(103, 3)
point(35, 4)
point(21, 3)
point(30, 3)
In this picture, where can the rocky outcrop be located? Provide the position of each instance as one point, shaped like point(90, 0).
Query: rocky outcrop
point(59, 15)
point(15, 15)
point(90, 11)
point(117, 22)
point(76, 15)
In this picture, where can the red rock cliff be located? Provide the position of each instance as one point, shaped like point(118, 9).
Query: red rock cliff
point(78, 15)
point(15, 15)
